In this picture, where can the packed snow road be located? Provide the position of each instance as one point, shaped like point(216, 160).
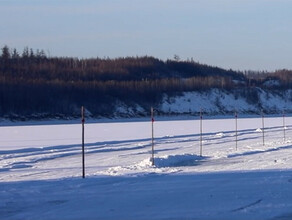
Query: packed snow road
point(40, 170)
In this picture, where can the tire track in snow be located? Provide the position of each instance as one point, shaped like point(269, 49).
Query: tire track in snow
point(247, 206)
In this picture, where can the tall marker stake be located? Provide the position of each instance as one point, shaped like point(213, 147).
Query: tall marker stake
point(236, 129)
point(152, 124)
point(284, 127)
point(83, 154)
point(263, 127)
point(201, 132)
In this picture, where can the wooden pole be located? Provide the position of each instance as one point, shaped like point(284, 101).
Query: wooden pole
point(83, 153)
point(263, 127)
point(236, 116)
point(152, 125)
point(284, 126)
point(201, 133)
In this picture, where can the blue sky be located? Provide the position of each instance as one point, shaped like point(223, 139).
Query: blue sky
point(237, 34)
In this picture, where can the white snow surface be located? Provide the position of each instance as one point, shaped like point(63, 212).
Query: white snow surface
point(40, 170)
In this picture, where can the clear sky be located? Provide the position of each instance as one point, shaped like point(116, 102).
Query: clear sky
point(237, 34)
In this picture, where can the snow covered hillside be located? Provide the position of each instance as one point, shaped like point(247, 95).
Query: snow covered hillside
point(216, 102)
point(40, 170)
point(220, 102)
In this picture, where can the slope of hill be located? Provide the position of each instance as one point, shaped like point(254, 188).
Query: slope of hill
point(220, 102)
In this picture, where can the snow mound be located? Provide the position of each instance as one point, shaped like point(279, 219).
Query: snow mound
point(139, 169)
point(164, 164)
point(178, 160)
point(259, 130)
point(219, 134)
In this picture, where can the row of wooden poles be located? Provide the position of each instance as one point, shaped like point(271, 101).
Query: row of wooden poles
point(201, 131)
point(201, 134)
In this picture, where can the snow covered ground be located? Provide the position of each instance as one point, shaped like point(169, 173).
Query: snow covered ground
point(40, 170)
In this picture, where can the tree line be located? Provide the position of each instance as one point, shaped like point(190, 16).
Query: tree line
point(33, 83)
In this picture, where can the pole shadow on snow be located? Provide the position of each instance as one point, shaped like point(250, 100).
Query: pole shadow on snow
point(60, 151)
point(103, 144)
point(260, 151)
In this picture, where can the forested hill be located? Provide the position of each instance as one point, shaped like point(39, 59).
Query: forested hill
point(33, 84)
